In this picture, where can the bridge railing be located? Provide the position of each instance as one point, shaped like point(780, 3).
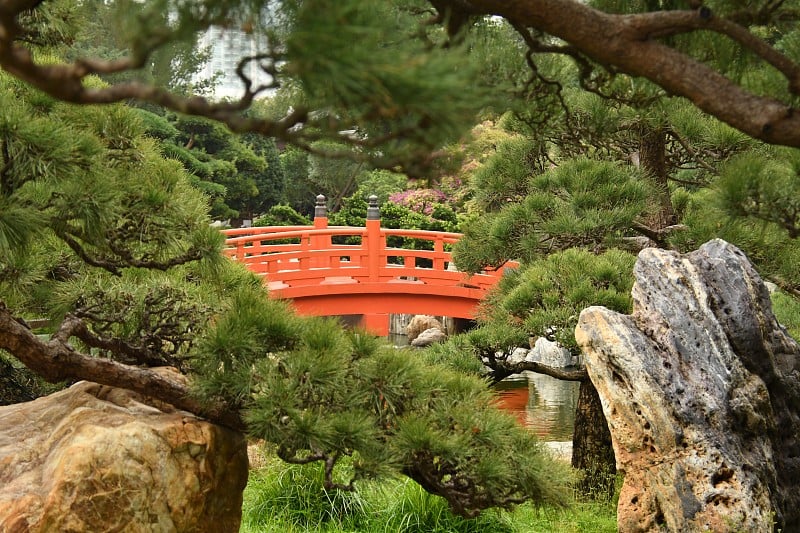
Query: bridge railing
point(294, 256)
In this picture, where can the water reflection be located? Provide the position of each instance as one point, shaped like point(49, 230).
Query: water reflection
point(545, 405)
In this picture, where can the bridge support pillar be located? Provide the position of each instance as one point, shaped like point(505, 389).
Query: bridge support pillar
point(376, 323)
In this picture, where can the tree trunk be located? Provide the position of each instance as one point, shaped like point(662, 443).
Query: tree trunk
point(591, 445)
point(652, 160)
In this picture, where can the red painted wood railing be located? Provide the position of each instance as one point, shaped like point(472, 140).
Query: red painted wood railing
point(368, 279)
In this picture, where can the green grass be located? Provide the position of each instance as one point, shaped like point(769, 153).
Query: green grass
point(787, 311)
point(282, 498)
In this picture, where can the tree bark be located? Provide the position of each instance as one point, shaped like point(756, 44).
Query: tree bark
point(633, 44)
point(592, 451)
point(55, 360)
point(591, 445)
point(626, 43)
point(652, 160)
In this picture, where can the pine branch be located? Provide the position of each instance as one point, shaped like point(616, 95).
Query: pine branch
point(502, 368)
point(125, 258)
point(136, 354)
point(691, 151)
point(539, 368)
point(657, 236)
point(56, 360)
point(620, 43)
point(628, 44)
point(465, 497)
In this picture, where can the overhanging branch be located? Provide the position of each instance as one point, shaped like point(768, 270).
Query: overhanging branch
point(627, 44)
point(55, 360)
point(621, 43)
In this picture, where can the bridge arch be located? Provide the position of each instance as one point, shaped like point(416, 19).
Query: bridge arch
point(323, 278)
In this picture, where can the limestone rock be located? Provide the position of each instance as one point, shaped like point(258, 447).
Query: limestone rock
point(550, 353)
point(518, 355)
point(428, 337)
point(701, 390)
point(419, 324)
point(96, 458)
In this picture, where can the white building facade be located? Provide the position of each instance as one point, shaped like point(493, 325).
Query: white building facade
point(228, 47)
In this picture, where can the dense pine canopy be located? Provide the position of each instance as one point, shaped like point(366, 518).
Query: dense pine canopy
point(562, 134)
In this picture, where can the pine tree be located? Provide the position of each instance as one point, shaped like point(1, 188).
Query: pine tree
point(393, 84)
point(110, 242)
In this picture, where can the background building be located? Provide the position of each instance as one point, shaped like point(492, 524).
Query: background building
point(227, 48)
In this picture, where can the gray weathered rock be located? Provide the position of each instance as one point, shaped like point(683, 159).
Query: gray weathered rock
point(428, 337)
point(701, 391)
point(518, 355)
point(96, 458)
point(550, 353)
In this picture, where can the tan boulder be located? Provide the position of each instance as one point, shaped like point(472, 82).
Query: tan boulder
point(93, 458)
point(421, 323)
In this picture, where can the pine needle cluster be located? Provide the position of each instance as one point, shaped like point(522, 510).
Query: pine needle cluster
point(581, 203)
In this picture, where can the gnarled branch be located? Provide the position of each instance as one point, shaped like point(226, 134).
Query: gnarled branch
point(55, 360)
point(628, 44)
point(621, 43)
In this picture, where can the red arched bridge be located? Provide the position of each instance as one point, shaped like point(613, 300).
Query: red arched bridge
point(369, 278)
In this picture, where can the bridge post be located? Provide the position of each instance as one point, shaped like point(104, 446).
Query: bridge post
point(320, 242)
point(377, 323)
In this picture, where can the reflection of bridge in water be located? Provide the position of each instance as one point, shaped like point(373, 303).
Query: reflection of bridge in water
point(367, 277)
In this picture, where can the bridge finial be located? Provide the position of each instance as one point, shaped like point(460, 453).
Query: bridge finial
point(320, 209)
point(373, 211)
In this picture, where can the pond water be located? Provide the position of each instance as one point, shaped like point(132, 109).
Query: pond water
point(543, 404)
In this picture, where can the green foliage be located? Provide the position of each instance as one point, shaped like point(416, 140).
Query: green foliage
point(581, 203)
point(353, 212)
point(294, 496)
point(319, 394)
point(763, 185)
point(550, 293)
point(381, 183)
point(334, 177)
point(397, 216)
point(504, 177)
point(157, 126)
point(241, 175)
point(375, 87)
point(295, 165)
point(111, 29)
point(492, 337)
point(271, 182)
point(282, 215)
point(393, 215)
point(787, 311)
point(290, 498)
point(772, 250)
point(98, 227)
point(457, 353)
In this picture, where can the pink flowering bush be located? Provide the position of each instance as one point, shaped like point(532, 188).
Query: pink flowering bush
point(421, 201)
